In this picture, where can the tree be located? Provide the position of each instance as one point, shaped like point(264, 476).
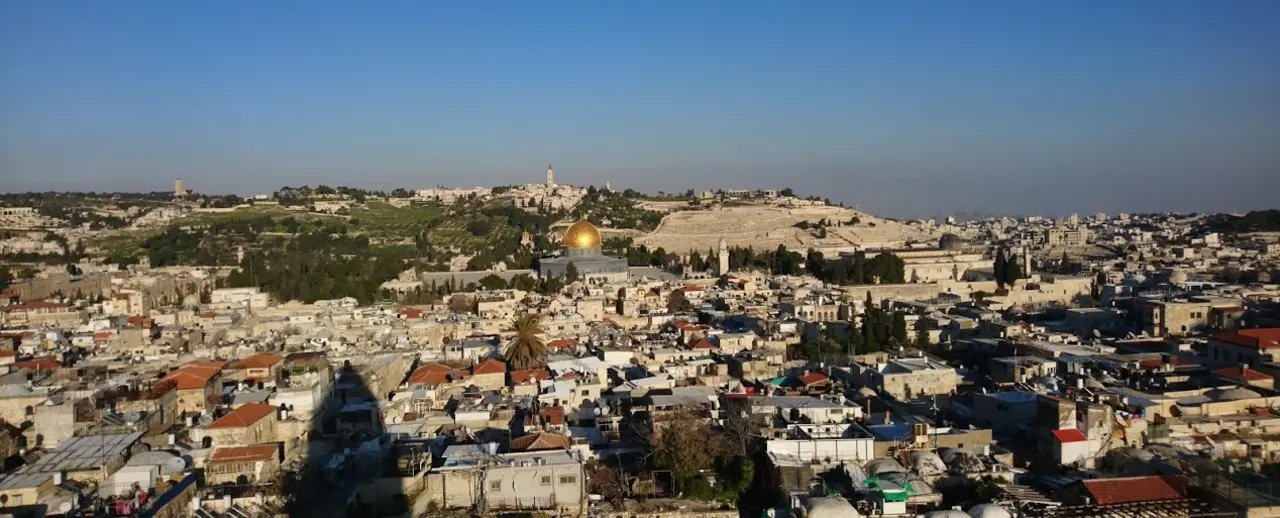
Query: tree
point(460, 304)
point(571, 273)
point(6, 276)
point(492, 282)
point(998, 268)
point(526, 349)
point(899, 328)
point(678, 303)
point(479, 227)
point(823, 349)
point(741, 429)
point(1012, 270)
point(788, 192)
point(683, 444)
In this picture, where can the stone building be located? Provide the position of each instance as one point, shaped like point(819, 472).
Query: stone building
point(907, 378)
point(254, 464)
point(195, 384)
point(252, 423)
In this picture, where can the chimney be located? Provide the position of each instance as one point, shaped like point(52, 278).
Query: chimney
point(226, 501)
point(59, 477)
point(173, 439)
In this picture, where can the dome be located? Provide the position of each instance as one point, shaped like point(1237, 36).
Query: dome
point(582, 235)
point(989, 511)
point(1232, 394)
point(881, 466)
point(928, 463)
point(823, 507)
point(951, 241)
point(946, 513)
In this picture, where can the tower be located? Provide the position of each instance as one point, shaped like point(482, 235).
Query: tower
point(551, 175)
point(724, 258)
point(178, 191)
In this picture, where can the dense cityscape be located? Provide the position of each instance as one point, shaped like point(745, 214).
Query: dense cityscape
point(558, 350)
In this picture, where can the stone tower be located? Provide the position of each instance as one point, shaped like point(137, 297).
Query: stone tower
point(551, 175)
point(724, 258)
point(178, 191)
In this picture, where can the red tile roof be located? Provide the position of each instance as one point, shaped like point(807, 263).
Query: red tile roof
point(540, 441)
point(1252, 338)
point(258, 361)
point(526, 376)
point(243, 416)
point(1069, 435)
point(1111, 491)
point(430, 374)
point(813, 378)
point(563, 343)
point(245, 453)
point(553, 415)
point(489, 367)
point(1239, 373)
point(702, 344)
point(46, 363)
point(103, 335)
point(194, 375)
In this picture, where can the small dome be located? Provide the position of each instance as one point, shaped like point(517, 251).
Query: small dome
point(927, 463)
point(867, 392)
point(1231, 394)
point(881, 466)
point(582, 235)
point(824, 507)
point(989, 511)
point(950, 241)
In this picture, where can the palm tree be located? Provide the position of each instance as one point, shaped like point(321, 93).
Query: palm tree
point(526, 350)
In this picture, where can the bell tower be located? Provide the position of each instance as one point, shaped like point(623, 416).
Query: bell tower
point(551, 175)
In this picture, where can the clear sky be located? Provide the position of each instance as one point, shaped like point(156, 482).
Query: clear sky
point(902, 108)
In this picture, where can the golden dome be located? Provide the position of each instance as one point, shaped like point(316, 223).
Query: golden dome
point(582, 235)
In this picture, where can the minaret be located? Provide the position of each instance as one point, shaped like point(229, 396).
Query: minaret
point(178, 191)
point(551, 175)
point(724, 258)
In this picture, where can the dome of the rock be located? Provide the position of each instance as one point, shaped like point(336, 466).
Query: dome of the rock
point(582, 235)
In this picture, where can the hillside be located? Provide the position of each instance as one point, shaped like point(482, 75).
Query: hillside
point(767, 226)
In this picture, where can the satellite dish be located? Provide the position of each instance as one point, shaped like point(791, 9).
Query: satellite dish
point(64, 507)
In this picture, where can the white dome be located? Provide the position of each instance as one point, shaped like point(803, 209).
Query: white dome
point(989, 511)
point(878, 467)
point(823, 507)
point(927, 463)
point(946, 513)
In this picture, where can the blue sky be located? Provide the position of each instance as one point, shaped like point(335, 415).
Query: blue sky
point(902, 108)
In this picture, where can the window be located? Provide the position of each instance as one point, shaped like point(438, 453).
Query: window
point(568, 479)
point(495, 486)
point(546, 480)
